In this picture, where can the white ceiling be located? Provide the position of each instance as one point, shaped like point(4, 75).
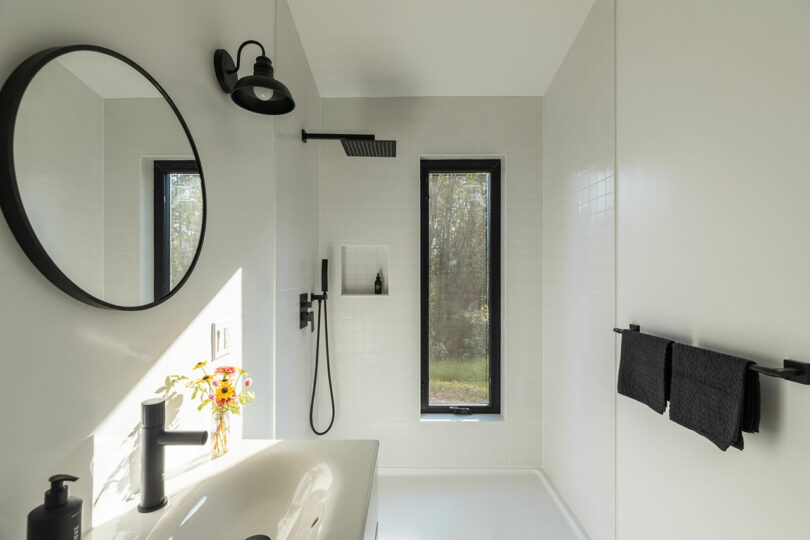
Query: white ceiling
point(107, 76)
point(436, 47)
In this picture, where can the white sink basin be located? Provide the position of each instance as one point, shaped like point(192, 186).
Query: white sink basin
point(286, 490)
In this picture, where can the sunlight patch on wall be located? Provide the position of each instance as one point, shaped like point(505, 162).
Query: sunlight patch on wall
point(116, 453)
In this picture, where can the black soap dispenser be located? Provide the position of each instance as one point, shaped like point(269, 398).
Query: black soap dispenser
point(60, 518)
point(378, 284)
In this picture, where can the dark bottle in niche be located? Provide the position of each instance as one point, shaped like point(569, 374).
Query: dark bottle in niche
point(378, 284)
point(60, 518)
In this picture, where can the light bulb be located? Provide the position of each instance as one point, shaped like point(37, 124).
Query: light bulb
point(264, 94)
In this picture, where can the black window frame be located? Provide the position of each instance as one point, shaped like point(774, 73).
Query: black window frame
point(493, 167)
point(162, 169)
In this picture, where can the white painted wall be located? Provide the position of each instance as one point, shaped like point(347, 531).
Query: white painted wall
point(713, 102)
point(375, 340)
point(83, 371)
point(297, 265)
point(578, 275)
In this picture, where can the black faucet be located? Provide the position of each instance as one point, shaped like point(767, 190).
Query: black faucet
point(153, 439)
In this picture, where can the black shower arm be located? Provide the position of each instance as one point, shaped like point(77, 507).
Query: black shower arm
point(334, 136)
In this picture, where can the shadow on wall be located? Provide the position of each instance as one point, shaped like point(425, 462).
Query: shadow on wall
point(108, 461)
point(124, 480)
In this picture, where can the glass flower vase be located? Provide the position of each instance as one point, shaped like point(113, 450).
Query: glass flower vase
point(220, 433)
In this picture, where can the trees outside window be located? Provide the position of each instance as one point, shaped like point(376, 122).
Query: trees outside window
point(460, 289)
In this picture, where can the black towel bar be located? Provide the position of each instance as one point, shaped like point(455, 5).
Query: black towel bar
point(798, 372)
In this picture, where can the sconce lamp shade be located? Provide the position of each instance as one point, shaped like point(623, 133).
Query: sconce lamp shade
point(261, 92)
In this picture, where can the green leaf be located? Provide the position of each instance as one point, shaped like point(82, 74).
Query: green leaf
point(203, 404)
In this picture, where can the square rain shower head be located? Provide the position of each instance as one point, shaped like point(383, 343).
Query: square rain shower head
point(369, 148)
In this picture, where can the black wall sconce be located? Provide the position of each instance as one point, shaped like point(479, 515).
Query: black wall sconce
point(261, 92)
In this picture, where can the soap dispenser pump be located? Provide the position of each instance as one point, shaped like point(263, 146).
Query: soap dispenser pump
point(60, 518)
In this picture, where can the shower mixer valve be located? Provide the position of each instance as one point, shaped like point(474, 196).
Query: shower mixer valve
point(306, 316)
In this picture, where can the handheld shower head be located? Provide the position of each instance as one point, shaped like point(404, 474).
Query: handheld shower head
point(324, 275)
point(321, 298)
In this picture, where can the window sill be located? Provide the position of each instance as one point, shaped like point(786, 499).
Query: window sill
point(461, 418)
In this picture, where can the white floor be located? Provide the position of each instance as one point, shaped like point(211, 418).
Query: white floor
point(471, 506)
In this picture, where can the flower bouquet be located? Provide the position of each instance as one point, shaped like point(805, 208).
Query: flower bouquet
point(225, 390)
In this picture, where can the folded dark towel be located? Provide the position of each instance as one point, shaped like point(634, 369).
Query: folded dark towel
point(644, 369)
point(714, 394)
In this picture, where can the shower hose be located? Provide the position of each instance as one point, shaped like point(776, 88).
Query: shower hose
point(328, 369)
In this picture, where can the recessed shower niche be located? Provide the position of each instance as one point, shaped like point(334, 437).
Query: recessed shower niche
point(360, 265)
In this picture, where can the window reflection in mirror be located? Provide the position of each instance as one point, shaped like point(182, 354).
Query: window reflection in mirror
point(89, 134)
point(178, 221)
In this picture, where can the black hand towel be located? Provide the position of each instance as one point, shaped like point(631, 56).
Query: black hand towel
point(644, 369)
point(714, 394)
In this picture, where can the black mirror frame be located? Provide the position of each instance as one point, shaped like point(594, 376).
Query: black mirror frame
point(11, 203)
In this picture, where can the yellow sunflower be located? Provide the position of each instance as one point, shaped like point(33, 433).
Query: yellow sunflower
point(225, 392)
point(205, 379)
point(199, 365)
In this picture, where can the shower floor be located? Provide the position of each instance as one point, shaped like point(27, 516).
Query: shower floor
point(436, 505)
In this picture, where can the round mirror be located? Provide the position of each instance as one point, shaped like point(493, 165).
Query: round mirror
point(100, 180)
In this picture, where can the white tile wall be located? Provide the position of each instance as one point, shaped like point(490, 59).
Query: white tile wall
point(59, 156)
point(578, 275)
point(297, 267)
point(359, 267)
point(136, 132)
point(375, 340)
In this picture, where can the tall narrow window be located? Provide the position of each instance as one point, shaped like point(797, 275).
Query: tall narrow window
point(460, 289)
point(178, 221)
